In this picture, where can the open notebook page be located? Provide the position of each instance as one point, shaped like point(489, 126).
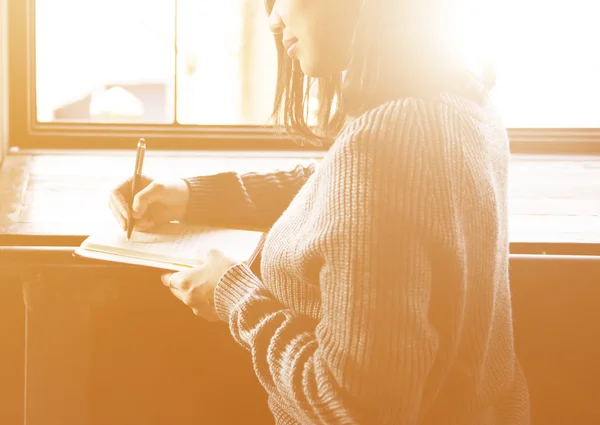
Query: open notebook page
point(176, 243)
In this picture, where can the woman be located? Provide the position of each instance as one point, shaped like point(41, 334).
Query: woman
point(384, 295)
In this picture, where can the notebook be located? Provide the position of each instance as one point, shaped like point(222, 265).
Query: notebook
point(171, 246)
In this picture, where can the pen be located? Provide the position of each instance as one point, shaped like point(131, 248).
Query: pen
point(135, 183)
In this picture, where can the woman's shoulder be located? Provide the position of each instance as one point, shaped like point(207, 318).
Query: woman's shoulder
point(436, 136)
point(413, 123)
point(402, 114)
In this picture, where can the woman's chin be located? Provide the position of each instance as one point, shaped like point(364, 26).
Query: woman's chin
point(314, 70)
point(318, 68)
point(305, 66)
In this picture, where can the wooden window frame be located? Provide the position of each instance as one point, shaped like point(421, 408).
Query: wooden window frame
point(25, 132)
point(3, 79)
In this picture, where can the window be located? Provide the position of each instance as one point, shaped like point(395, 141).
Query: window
point(122, 62)
point(548, 69)
point(201, 73)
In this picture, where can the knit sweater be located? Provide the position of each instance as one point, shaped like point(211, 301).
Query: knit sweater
point(384, 293)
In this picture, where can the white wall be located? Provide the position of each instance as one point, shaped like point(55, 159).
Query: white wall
point(3, 79)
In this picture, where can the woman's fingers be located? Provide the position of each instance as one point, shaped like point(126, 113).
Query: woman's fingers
point(183, 280)
point(166, 279)
point(184, 297)
point(186, 285)
point(144, 198)
point(190, 287)
point(143, 224)
point(178, 281)
point(121, 220)
point(119, 206)
point(207, 314)
point(119, 203)
point(117, 200)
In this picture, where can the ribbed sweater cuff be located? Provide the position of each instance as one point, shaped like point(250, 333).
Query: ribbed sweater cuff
point(206, 193)
point(233, 288)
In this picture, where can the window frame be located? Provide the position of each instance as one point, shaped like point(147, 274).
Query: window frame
point(25, 132)
point(3, 79)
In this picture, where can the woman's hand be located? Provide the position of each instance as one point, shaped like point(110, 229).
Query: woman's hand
point(157, 202)
point(196, 287)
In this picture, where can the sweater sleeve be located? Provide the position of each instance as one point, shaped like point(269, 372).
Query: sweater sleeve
point(375, 290)
point(244, 200)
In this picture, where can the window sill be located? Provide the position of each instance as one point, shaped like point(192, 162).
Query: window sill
point(52, 198)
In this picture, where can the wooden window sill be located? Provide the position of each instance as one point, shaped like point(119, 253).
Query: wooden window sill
point(58, 198)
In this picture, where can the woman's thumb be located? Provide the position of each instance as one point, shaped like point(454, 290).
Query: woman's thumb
point(144, 198)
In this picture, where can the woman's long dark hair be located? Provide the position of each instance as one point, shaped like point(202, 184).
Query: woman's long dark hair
point(400, 48)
